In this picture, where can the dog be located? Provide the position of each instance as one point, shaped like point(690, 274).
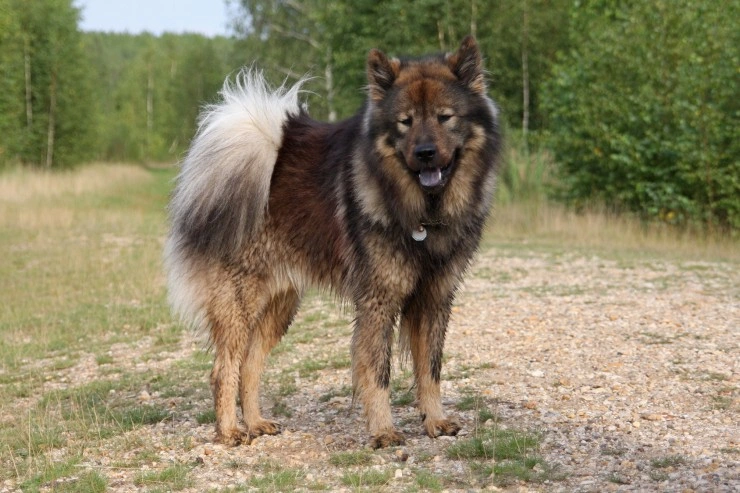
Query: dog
point(385, 209)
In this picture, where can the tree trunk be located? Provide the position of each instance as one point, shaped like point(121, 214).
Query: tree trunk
point(52, 118)
point(525, 76)
point(149, 110)
point(27, 76)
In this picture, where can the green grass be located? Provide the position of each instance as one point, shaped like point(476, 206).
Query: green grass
point(351, 458)
point(82, 256)
point(668, 461)
point(505, 456)
point(367, 478)
point(205, 417)
point(280, 480)
point(173, 478)
point(428, 481)
point(495, 444)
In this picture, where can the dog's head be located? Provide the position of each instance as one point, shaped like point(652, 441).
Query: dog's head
point(424, 110)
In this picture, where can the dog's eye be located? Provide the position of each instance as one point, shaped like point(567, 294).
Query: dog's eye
point(406, 122)
point(444, 117)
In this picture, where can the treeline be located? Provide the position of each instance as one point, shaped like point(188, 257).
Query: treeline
point(638, 101)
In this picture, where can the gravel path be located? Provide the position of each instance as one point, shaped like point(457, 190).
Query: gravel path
point(627, 369)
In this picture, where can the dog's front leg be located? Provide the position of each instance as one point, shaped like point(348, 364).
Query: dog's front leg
point(371, 367)
point(424, 322)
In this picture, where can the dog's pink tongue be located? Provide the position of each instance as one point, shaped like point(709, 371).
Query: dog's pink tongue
point(430, 177)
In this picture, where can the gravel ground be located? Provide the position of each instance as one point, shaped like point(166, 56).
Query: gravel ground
point(628, 370)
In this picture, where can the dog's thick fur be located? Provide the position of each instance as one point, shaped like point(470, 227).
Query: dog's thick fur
point(269, 201)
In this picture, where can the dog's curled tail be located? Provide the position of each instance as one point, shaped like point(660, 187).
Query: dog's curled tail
point(222, 191)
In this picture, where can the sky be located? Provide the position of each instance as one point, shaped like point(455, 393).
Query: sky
point(208, 17)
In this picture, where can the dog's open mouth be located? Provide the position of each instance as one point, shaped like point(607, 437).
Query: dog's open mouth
point(430, 177)
point(433, 179)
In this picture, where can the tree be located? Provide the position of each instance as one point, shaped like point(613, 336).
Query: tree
point(54, 82)
point(644, 109)
point(12, 108)
point(330, 40)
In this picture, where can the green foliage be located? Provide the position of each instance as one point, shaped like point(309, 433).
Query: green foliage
point(151, 89)
point(637, 100)
point(330, 40)
point(46, 84)
point(644, 110)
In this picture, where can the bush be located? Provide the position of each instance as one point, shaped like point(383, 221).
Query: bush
point(643, 111)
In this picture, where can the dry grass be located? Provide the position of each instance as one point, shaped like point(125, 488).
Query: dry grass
point(37, 200)
point(550, 224)
point(23, 184)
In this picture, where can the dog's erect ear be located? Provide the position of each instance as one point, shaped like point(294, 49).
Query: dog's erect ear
point(381, 73)
point(467, 65)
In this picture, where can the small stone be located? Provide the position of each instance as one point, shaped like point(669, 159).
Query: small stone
point(402, 455)
point(144, 396)
point(398, 474)
point(207, 451)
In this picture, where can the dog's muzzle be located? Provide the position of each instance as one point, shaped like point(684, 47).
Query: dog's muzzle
point(432, 174)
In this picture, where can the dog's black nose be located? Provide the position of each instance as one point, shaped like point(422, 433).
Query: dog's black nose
point(425, 152)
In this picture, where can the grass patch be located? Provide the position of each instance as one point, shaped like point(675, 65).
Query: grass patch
point(278, 480)
point(669, 461)
point(274, 477)
point(495, 444)
point(310, 368)
point(173, 478)
point(366, 478)
point(345, 391)
point(280, 408)
point(504, 456)
point(617, 479)
point(403, 398)
point(104, 359)
point(286, 385)
point(206, 417)
point(352, 458)
point(51, 473)
point(427, 481)
point(468, 403)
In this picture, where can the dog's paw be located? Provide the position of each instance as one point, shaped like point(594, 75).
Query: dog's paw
point(387, 439)
point(439, 427)
point(233, 437)
point(264, 427)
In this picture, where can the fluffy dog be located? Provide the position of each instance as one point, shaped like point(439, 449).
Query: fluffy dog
point(386, 209)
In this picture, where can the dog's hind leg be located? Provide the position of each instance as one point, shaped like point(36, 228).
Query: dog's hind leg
point(270, 329)
point(235, 310)
point(424, 323)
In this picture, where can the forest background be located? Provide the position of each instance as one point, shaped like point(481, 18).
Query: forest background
point(623, 105)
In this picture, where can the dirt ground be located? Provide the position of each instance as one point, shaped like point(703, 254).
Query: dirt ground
point(626, 369)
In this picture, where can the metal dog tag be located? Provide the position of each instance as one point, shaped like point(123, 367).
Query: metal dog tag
point(419, 233)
